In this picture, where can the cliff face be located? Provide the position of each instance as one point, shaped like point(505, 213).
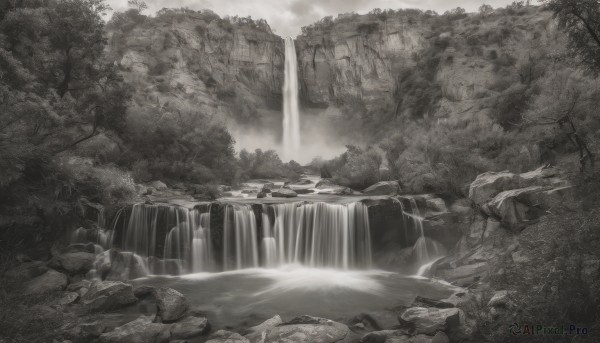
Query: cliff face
point(357, 59)
point(196, 61)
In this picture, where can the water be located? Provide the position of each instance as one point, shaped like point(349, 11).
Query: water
point(291, 113)
point(249, 296)
point(240, 238)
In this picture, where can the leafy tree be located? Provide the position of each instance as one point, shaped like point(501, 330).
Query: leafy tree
point(579, 18)
point(485, 10)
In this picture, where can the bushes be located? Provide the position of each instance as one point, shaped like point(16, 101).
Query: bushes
point(265, 164)
point(357, 168)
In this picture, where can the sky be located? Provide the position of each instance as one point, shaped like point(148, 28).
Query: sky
point(286, 17)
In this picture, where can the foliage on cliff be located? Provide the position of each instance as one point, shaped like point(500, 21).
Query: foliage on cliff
point(489, 91)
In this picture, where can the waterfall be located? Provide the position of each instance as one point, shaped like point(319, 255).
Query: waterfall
point(291, 115)
point(240, 247)
point(425, 250)
point(319, 235)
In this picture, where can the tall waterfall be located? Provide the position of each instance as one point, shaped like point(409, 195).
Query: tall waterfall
point(291, 113)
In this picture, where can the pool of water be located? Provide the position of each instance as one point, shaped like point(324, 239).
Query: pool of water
point(243, 298)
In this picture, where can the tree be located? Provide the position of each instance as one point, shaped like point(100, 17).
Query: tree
point(138, 5)
point(567, 106)
point(579, 18)
point(485, 10)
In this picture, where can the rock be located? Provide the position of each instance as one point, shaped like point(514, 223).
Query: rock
point(421, 320)
point(440, 337)
point(261, 195)
point(75, 262)
point(143, 291)
point(426, 302)
point(311, 329)
point(158, 185)
point(302, 182)
point(284, 193)
point(26, 271)
point(303, 191)
point(189, 327)
point(50, 281)
point(141, 330)
point(516, 207)
point(463, 330)
point(92, 329)
point(499, 299)
point(223, 336)
point(436, 205)
point(395, 336)
point(258, 333)
point(67, 299)
point(80, 247)
point(265, 190)
point(488, 185)
point(108, 295)
point(384, 188)
point(465, 275)
point(172, 305)
point(79, 285)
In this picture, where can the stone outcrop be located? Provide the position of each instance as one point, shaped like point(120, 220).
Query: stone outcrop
point(74, 262)
point(258, 333)
point(284, 193)
point(108, 295)
point(422, 320)
point(48, 282)
point(384, 188)
point(141, 330)
point(310, 329)
point(171, 304)
point(189, 327)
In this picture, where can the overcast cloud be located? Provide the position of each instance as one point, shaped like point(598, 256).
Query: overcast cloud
point(286, 17)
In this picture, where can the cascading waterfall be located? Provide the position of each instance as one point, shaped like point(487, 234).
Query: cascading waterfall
point(240, 247)
point(291, 113)
point(425, 250)
point(319, 235)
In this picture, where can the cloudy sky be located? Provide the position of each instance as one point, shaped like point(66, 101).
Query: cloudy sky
point(286, 17)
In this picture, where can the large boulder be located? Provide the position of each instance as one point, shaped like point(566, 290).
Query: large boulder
point(108, 295)
point(384, 188)
point(171, 304)
point(26, 271)
point(158, 185)
point(223, 336)
point(258, 333)
point(488, 185)
point(75, 262)
point(311, 329)
point(141, 330)
point(189, 327)
point(50, 281)
point(422, 320)
point(284, 193)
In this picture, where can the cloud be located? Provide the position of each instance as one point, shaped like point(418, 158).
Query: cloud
point(286, 17)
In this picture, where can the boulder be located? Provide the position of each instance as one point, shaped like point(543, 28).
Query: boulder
point(440, 337)
point(75, 262)
point(311, 329)
point(223, 336)
point(384, 188)
point(422, 320)
point(158, 185)
point(516, 207)
point(171, 304)
point(141, 330)
point(80, 247)
point(488, 185)
point(258, 333)
point(284, 193)
point(26, 271)
point(261, 195)
point(302, 182)
point(108, 295)
point(143, 291)
point(189, 327)
point(436, 205)
point(499, 299)
point(67, 299)
point(395, 336)
point(50, 281)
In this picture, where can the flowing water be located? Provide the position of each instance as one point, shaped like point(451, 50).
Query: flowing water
point(291, 113)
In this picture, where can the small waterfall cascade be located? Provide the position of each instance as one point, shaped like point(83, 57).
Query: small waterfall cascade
point(268, 244)
point(318, 235)
point(291, 112)
point(240, 246)
point(425, 250)
point(169, 239)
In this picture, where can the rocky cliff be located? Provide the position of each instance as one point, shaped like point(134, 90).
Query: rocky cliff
point(183, 60)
